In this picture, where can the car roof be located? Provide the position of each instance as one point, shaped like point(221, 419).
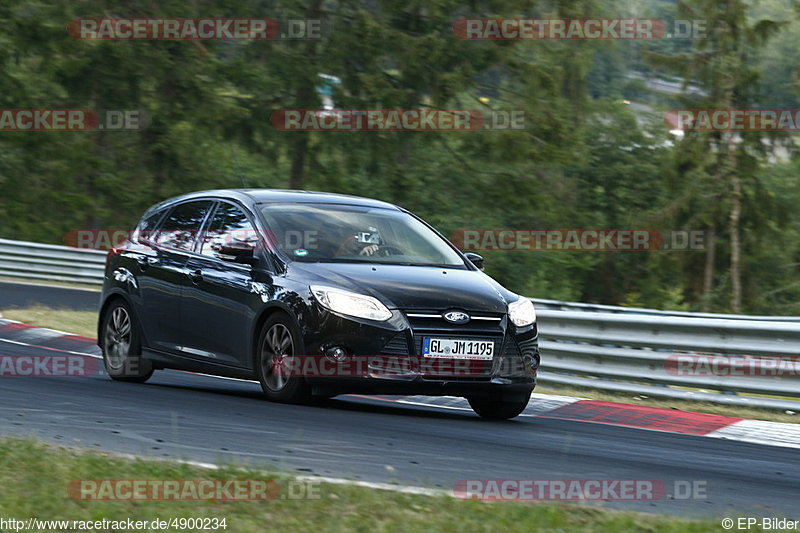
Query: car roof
point(255, 196)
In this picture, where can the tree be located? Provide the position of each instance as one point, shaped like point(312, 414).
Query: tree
point(726, 160)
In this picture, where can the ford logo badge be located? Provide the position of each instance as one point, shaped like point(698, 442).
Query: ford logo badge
point(456, 317)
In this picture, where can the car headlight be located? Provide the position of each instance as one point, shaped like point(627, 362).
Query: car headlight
point(522, 313)
point(351, 303)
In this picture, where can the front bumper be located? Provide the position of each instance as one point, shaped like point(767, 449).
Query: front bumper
point(396, 366)
point(497, 387)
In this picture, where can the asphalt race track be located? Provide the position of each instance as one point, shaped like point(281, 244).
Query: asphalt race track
point(21, 295)
point(187, 416)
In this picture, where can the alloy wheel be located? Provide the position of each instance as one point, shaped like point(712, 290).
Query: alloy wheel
point(118, 338)
point(277, 347)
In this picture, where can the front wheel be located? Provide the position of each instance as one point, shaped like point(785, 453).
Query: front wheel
point(279, 340)
point(122, 346)
point(498, 409)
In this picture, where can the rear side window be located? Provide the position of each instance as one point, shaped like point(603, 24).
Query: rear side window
point(229, 228)
point(179, 229)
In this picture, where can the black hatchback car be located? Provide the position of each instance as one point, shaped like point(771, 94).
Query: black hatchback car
point(313, 295)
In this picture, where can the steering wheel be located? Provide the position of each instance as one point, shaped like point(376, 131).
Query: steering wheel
point(386, 251)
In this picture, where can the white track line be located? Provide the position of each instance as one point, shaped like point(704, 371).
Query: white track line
point(51, 348)
point(394, 487)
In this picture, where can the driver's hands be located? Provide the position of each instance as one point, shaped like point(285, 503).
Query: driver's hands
point(369, 250)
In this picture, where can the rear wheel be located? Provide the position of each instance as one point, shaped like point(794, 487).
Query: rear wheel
point(122, 346)
point(279, 340)
point(495, 408)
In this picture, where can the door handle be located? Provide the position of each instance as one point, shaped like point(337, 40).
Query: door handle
point(196, 276)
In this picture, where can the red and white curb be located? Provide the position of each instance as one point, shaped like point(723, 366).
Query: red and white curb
point(761, 432)
point(541, 405)
point(14, 332)
point(641, 417)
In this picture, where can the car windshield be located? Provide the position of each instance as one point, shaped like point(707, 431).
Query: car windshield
point(315, 232)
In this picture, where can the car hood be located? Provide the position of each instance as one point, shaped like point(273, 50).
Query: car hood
point(414, 287)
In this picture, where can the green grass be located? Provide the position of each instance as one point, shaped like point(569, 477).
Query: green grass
point(67, 284)
point(35, 478)
point(84, 323)
point(76, 322)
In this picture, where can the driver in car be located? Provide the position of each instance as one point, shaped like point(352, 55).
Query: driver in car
point(362, 243)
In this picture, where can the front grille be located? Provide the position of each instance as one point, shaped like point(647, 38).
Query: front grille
point(396, 346)
point(479, 324)
point(431, 323)
point(396, 360)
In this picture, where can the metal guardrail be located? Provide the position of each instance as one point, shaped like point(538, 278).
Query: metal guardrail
point(48, 262)
point(598, 308)
point(694, 358)
point(604, 347)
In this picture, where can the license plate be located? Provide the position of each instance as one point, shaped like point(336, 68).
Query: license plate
point(457, 349)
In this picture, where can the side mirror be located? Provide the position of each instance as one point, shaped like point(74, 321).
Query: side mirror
point(244, 255)
point(475, 259)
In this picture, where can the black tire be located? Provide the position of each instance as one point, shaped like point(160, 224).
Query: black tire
point(122, 346)
point(279, 338)
point(498, 409)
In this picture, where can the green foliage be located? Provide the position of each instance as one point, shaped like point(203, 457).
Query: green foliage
point(586, 159)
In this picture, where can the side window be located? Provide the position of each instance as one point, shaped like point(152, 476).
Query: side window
point(182, 224)
point(144, 231)
point(229, 229)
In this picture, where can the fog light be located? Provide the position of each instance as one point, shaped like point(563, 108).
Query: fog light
point(337, 353)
